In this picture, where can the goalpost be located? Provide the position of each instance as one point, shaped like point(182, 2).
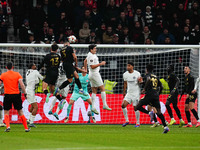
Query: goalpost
point(116, 57)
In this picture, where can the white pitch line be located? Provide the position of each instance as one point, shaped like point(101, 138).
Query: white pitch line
point(97, 148)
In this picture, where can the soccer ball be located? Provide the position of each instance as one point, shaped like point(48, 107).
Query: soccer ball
point(72, 39)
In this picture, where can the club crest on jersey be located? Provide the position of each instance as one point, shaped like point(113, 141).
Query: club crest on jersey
point(134, 77)
point(91, 60)
point(86, 80)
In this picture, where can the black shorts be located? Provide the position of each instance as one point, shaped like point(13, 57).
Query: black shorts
point(69, 69)
point(150, 99)
point(192, 98)
point(51, 77)
point(173, 98)
point(14, 99)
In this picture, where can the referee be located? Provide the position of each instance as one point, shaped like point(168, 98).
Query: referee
point(11, 79)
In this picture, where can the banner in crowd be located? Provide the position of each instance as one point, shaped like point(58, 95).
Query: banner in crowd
point(80, 110)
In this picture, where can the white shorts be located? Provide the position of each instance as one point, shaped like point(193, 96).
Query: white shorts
point(63, 92)
point(31, 96)
point(95, 79)
point(132, 98)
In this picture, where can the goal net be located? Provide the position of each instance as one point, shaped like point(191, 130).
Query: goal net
point(116, 57)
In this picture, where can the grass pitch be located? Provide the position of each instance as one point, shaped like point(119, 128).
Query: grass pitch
point(105, 137)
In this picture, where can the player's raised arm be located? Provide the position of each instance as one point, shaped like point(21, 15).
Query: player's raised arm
point(75, 59)
point(176, 85)
point(85, 64)
point(97, 65)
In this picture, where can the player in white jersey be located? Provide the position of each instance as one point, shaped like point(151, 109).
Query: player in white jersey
point(196, 85)
point(132, 78)
point(32, 78)
point(94, 75)
point(64, 92)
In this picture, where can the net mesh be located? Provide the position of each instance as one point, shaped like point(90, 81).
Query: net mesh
point(116, 61)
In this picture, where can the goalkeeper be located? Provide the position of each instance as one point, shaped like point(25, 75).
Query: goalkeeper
point(76, 95)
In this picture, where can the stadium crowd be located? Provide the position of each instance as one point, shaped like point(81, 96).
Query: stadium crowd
point(102, 21)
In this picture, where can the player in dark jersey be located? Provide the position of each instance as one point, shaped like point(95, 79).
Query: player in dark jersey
point(70, 62)
point(190, 98)
point(173, 82)
point(51, 62)
point(153, 88)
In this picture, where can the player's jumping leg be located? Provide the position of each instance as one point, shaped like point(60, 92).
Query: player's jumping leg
point(170, 112)
point(93, 118)
point(124, 109)
point(44, 87)
point(103, 96)
point(137, 113)
point(191, 106)
point(178, 114)
point(187, 115)
point(71, 102)
point(162, 118)
point(52, 105)
point(33, 112)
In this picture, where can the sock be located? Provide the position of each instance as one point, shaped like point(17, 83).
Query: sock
point(93, 100)
point(188, 116)
point(125, 114)
point(155, 118)
point(64, 84)
point(172, 119)
point(53, 103)
point(69, 109)
point(162, 118)
point(45, 92)
point(58, 109)
point(7, 121)
point(143, 110)
point(1, 121)
point(24, 122)
point(137, 114)
point(32, 118)
point(78, 83)
point(103, 96)
point(177, 111)
point(91, 111)
point(169, 111)
point(195, 114)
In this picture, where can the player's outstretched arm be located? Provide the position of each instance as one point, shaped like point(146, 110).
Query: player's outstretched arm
point(97, 65)
point(176, 85)
point(85, 64)
point(75, 59)
point(124, 90)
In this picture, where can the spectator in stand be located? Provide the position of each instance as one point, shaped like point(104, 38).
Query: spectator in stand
point(96, 17)
point(54, 13)
point(108, 35)
point(194, 13)
point(25, 32)
point(186, 36)
point(3, 27)
point(50, 36)
point(62, 23)
point(139, 17)
point(84, 33)
point(90, 3)
point(118, 29)
point(92, 39)
point(68, 32)
point(45, 29)
point(37, 18)
point(174, 25)
point(79, 12)
point(196, 34)
point(125, 37)
point(130, 14)
point(167, 41)
point(181, 13)
point(115, 39)
point(144, 35)
point(45, 7)
point(100, 32)
point(159, 25)
point(87, 18)
point(17, 12)
point(135, 33)
point(162, 37)
point(188, 23)
point(123, 20)
point(111, 13)
point(149, 41)
point(148, 17)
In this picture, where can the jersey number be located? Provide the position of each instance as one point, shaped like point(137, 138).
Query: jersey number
point(154, 82)
point(54, 61)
